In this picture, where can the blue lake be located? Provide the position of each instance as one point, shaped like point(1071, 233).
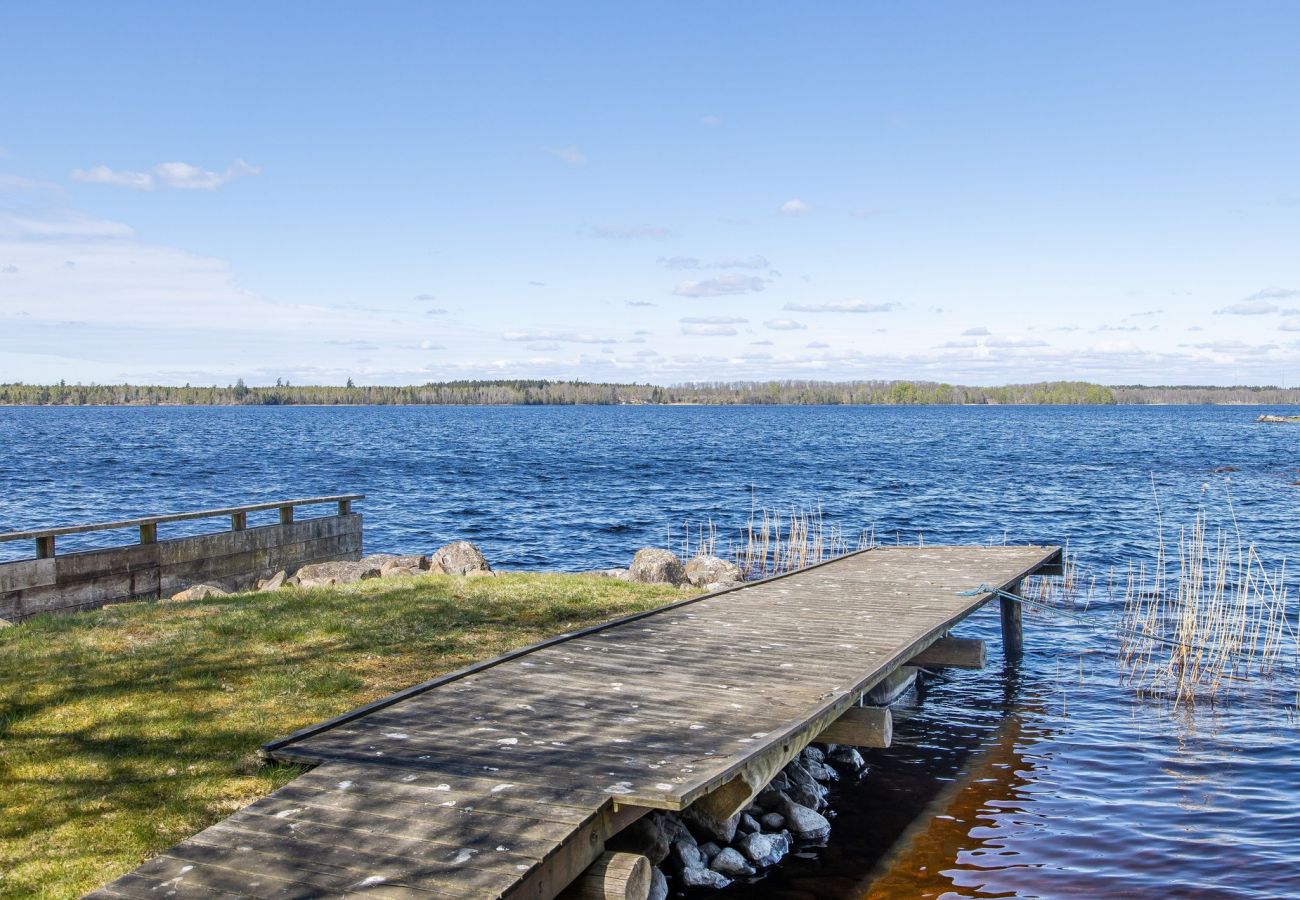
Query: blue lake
point(1047, 780)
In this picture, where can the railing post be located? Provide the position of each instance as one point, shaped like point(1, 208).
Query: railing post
point(238, 521)
point(45, 547)
point(286, 515)
point(345, 507)
point(1013, 638)
point(149, 533)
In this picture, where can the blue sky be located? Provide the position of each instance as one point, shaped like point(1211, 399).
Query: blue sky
point(397, 193)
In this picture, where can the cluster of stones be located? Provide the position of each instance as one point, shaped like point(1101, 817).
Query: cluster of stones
point(456, 558)
point(654, 565)
point(692, 849)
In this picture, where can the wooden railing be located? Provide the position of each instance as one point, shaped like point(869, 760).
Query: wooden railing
point(148, 525)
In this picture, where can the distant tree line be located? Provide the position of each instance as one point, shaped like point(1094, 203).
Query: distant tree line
point(568, 393)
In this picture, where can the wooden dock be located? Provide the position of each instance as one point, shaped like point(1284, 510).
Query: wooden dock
point(507, 778)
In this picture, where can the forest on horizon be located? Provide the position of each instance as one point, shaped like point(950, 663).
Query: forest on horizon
point(568, 393)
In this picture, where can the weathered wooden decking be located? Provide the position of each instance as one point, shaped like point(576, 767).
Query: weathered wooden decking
point(506, 779)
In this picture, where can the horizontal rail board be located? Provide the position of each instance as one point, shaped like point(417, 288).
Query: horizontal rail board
point(173, 517)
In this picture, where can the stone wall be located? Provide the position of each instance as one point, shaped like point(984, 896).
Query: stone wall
point(232, 559)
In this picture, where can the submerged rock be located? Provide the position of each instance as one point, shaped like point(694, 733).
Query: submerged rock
point(804, 823)
point(848, 758)
point(459, 558)
point(653, 565)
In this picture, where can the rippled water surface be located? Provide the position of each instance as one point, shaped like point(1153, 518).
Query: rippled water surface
point(1047, 779)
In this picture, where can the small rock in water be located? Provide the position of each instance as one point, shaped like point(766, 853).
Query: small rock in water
point(702, 877)
point(804, 823)
point(729, 862)
point(847, 757)
point(686, 855)
point(812, 796)
point(764, 850)
point(813, 754)
point(658, 886)
point(748, 824)
point(821, 772)
point(772, 821)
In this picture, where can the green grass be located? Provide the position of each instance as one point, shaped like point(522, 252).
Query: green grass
point(127, 729)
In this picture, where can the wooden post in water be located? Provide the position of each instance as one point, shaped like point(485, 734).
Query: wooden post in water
point(149, 533)
point(1013, 638)
point(286, 515)
point(45, 547)
point(345, 507)
point(238, 521)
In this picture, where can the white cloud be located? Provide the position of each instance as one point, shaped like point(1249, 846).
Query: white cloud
point(795, 207)
point(8, 269)
point(1274, 293)
point(1256, 307)
point(570, 154)
point(1290, 325)
point(784, 325)
point(726, 262)
point(722, 286)
point(178, 175)
point(430, 345)
point(817, 345)
point(702, 330)
point(978, 331)
point(1014, 343)
point(843, 306)
point(714, 320)
point(630, 232)
point(568, 337)
point(639, 303)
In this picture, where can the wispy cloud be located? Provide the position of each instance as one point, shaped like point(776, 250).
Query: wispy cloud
point(640, 303)
point(784, 325)
point(570, 154)
point(1014, 343)
point(630, 232)
point(795, 207)
point(1256, 307)
point(842, 306)
point(177, 175)
point(726, 262)
point(722, 286)
point(700, 329)
point(714, 320)
point(568, 337)
point(817, 345)
point(978, 331)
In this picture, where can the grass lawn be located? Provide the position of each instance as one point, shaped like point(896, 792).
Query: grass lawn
point(127, 729)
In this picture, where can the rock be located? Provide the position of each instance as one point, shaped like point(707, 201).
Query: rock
point(399, 572)
point(652, 836)
point(655, 566)
point(804, 788)
point(764, 850)
point(620, 574)
point(274, 583)
point(770, 797)
point(5, 623)
point(748, 824)
point(729, 862)
point(710, 850)
point(459, 558)
point(848, 758)
point(704, 570)
point(772, 821)
point(812, 753)
point(420, 563)
point(200, 592)
point(330, 573)
point(821, 772)
point(804, 823)
point(703, 824)
point(658, 886)
point(702, 877)
point(811, 797)
point(686, 855)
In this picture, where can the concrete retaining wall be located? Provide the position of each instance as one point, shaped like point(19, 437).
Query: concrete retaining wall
point(233, 560)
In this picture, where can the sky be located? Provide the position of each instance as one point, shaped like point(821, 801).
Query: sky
point(407, 192)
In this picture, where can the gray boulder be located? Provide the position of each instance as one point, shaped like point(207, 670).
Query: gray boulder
point(686, 855)
point(652, 565)
point(274, 583)
point(813, 753)
point(704, 570)
point(459, 558)
point(702, 877)
point(729, 862)
point(748, 824)
point(772, 821)
point(710, 828)
point(847, 758)
point(764, 850)
point(652, 836)
point(199, 592)
point(620, 574)
point(804, 823)
point(658, 886)
point(330, 573)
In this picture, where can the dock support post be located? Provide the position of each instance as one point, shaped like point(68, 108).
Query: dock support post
point(149, 533)
point(345, 507)
point(238, 521)
point(286, 515)
point(45, 547)
point(614, 876)
point(1013, 638)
